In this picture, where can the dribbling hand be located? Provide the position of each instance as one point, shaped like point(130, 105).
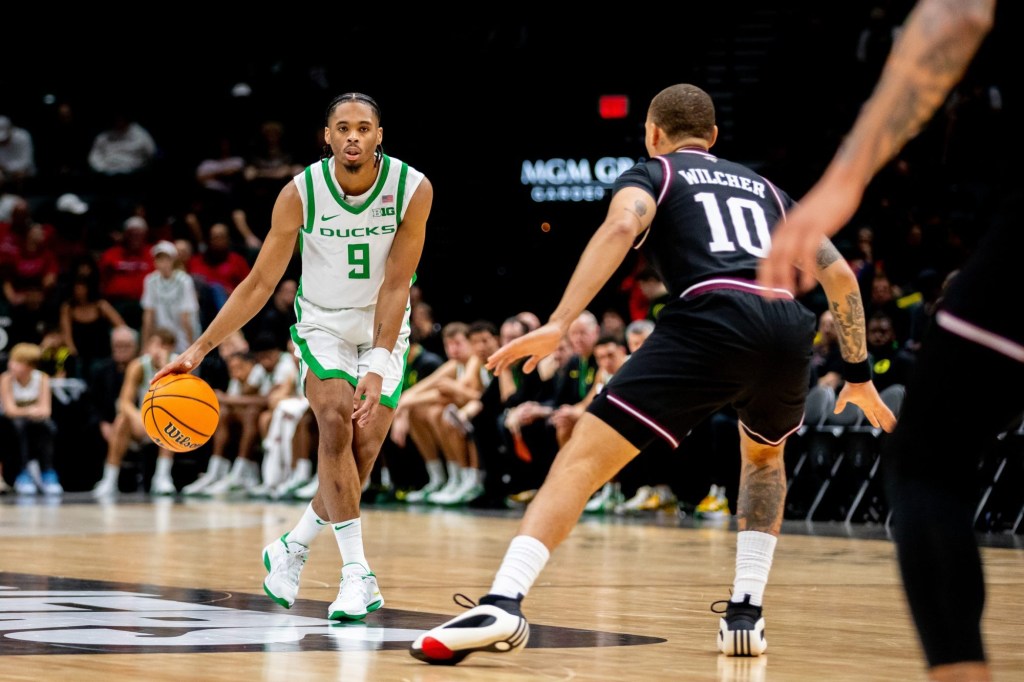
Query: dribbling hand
point(538, 344)
point(185, 363)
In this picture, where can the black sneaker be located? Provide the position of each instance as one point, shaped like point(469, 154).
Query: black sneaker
point(496, 625)
point(741, 629)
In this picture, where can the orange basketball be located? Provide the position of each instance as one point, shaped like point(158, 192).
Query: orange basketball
point(180, 412)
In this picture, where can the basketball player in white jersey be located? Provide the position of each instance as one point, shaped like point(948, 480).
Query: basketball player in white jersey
point(360, 218)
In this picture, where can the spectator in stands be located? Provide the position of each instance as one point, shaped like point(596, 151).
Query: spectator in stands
point(169, 298)
point(217, 263)
point(86, 321)
point(826, 360)
point(240, 406)
point(264, 373)
point(278, 316)
point(425, 329)
point(211, 297)
point(63, 146)
point(56, 358)
point(612, 324)
point(581, 371)
point(219, 200)
point(17, 156)
point(885, 297)
point(418, 415)
point(123, 269)
point(654, 291)
point(29, 286)
point(26, 402)
point(890, 363)
point(107, 378)
point(278, 424)
point(464, 395)
point(526, 434)
point(268, 168)
point(530, 319)
point(122, 149)
point(128, 426)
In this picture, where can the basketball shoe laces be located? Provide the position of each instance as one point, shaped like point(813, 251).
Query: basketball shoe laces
point(293, 564)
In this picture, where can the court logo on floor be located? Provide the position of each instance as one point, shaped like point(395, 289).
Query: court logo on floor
point(46, 615)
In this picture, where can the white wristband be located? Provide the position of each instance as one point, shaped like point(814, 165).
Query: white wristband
point(379, 358)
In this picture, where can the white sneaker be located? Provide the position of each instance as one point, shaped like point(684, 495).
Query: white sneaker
point(496, 625)
point(418, 496)
point(242, 477)
point(634, 503)
point(24, 485)
point(741, 628)
point(308, 491)
point(284, 561)
point(605, 499)
point(106, 487)
point(162, 485)
point(446, 495)
point(287, 488)
point(357, 596)
point(216, 470)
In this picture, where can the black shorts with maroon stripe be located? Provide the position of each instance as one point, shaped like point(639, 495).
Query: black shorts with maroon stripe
point(724, 347)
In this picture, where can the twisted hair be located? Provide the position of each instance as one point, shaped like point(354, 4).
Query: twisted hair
point(378, 153)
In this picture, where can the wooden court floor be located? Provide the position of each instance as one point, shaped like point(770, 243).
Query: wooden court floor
point(172, 590)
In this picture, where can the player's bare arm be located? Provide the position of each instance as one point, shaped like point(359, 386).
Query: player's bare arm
point(939, 39)
point(255, 290)
point(130, 388)
point(394, 293)
point(629, 215)
point(844, 300)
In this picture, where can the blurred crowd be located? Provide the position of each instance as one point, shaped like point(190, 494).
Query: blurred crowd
point(110, 261)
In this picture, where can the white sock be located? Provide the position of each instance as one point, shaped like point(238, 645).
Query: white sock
point(111, 472)
point(524, 560)
point(435, 472)
point(385, 478)
point(454, 473)
point(754, 551)
point(304, 469)
point(349, 535)
point(218, 466)
point(308, 527)
point(163, 467)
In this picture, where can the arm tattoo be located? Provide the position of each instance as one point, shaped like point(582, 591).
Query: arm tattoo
point(762, 496)
point(852, 333)
point(376, 337)
point(827, 254)
point(938, 42)
point(639, 210)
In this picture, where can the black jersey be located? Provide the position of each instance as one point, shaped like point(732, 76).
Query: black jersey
point(714, 217)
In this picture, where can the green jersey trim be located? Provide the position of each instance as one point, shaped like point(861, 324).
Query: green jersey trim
point(310, 202)
point(355, 210)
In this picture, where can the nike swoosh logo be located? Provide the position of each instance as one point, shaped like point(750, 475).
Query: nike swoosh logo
point(343, 525)
point(322, 523)
point(325, 218)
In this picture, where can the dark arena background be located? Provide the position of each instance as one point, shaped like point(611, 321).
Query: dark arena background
point(521, 124)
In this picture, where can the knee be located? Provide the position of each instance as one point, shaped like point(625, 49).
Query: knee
point(760, 455)
point(334, 427)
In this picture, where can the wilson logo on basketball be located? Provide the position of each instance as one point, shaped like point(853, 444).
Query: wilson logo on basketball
point(178, 437)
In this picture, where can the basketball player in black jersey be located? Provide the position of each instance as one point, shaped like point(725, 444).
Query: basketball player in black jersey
point(930, 463)
point(704, 223)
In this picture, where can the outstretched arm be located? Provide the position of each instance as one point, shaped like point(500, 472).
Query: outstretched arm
point(938, 42)
point(255, 290)
point(629, 214)
point(844, 300)
point(394, 295)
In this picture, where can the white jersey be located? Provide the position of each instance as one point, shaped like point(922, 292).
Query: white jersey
point(345, 241)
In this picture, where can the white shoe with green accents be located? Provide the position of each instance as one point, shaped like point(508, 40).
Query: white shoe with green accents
point(284, 561)
point(357, 596)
